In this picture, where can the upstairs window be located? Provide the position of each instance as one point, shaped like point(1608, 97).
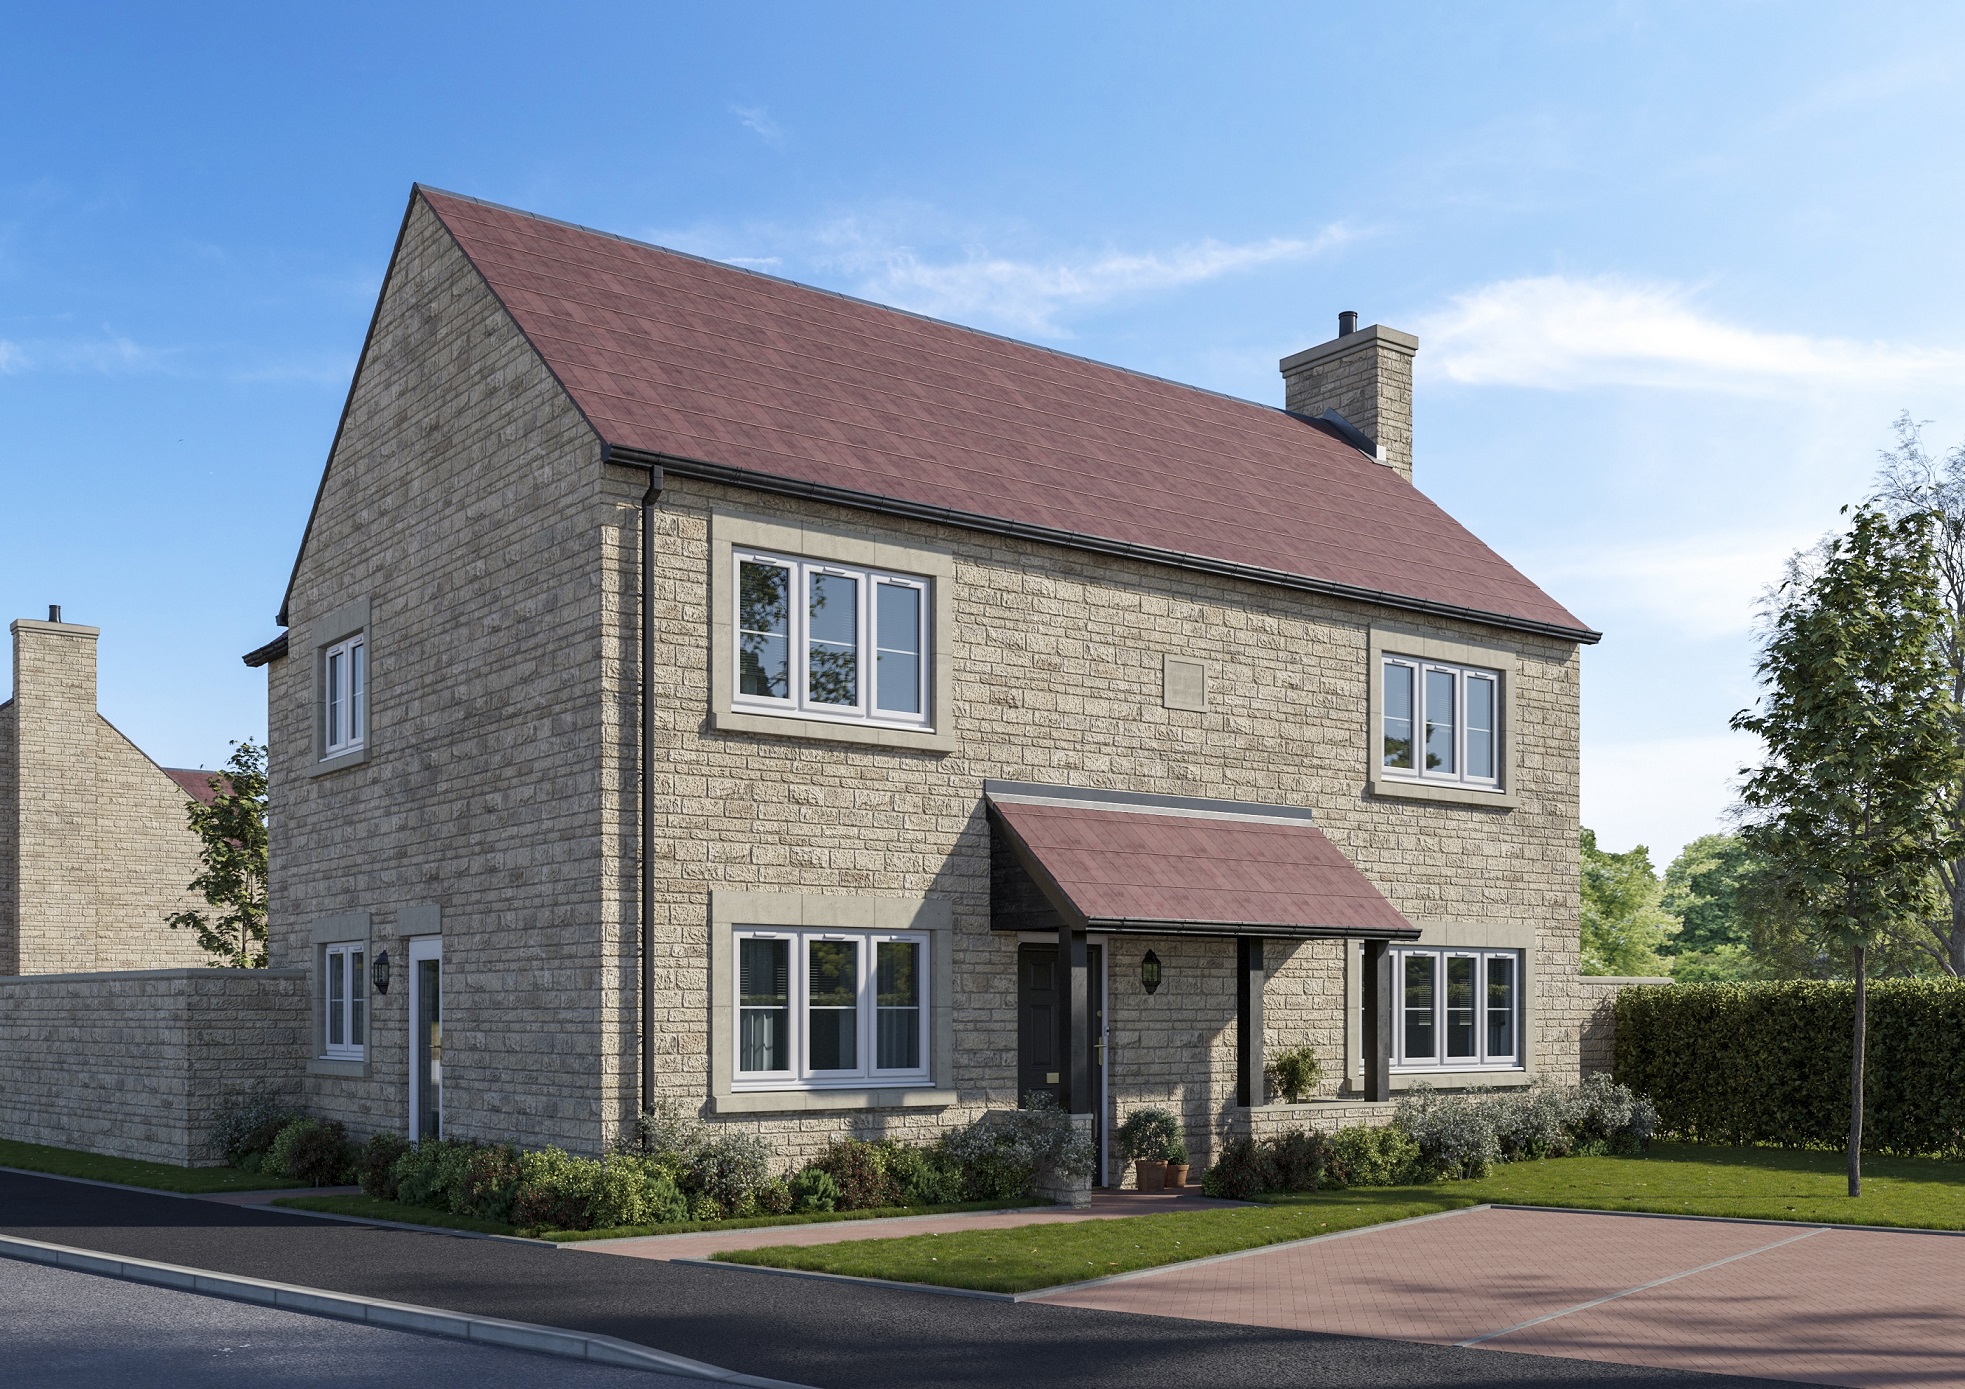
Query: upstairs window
point(344, 696)
point(345, 1013)
point(1442, 722)
point(831, 641)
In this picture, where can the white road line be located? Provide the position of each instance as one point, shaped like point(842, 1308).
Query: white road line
point(1654, 1283)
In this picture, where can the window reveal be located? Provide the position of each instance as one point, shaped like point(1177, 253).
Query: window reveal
point(830, 640)
point(1458, 1009)
point(1440, 721)
point(345, 1001)
point(344, 691)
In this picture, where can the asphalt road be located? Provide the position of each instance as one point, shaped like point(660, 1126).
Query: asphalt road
point(810, 1331)
point(68, 1330)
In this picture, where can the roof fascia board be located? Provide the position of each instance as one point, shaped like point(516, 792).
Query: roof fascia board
point(1131, 926)
point(1148, 554)
point(1144, 803)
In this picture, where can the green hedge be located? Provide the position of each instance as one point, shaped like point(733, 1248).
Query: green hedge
point(1769, 1063)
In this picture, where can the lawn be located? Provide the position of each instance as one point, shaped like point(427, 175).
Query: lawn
point(368, 1208)
point(1673, 1178)
point(158, 1176)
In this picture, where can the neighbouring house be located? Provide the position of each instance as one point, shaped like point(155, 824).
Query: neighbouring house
point(705, 688)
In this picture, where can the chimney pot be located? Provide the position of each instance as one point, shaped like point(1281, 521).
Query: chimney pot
point(1347, 323)
point(54, 612)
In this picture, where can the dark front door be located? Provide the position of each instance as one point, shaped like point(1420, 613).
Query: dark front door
point(1040, 1045)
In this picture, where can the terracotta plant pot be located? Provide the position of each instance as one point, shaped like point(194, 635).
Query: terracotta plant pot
point(1176, 1176)
point(1150, 1174)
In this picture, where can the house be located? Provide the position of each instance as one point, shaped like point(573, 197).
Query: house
point(699, 687)
point(95, 851)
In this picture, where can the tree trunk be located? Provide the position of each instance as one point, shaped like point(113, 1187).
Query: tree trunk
point(1856, 1074)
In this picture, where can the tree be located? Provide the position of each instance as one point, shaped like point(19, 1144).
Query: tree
point(1911, 481)
point(1862, 751)
point(1624, 930)
point(232, 847)
point(1705, 889)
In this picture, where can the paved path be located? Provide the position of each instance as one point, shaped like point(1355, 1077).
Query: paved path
point(811, 1331)
point(1799, 1302)
point(68, 1330)
point(1105, 1206)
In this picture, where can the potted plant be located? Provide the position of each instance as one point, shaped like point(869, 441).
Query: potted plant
point(1294, 1074)
point(1176, 1166)
point(1149, 1137)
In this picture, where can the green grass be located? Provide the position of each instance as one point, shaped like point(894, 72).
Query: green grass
point(369, 1208)
point(1673, 1179)
point(158, 1176)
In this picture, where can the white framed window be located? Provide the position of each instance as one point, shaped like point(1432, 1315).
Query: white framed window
point(344, 987)
point(1456, 1010)
point(1442, 723)
point(830, 1008)
point(831, 641)
point(344, 696)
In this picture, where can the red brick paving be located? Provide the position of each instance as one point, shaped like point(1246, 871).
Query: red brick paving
point(1841, 1306)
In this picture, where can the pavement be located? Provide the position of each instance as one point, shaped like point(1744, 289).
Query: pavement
point(68, 1330)
point(811, 1331)
point(1806, 1303)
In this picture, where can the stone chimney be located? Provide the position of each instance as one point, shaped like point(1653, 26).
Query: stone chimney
point(50, 802)
point(1364, 375)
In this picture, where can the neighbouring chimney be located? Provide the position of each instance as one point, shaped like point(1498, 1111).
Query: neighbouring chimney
point(1363, 375)
point(54, 781)
point(54, 612)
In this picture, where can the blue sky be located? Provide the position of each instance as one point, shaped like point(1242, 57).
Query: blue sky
point(1674, 268)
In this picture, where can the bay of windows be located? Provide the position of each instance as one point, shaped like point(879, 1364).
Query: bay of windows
point(1457, 1009)
point(345, 1010)
point(1442, 722)
point(827, 1007)
point(832, 641)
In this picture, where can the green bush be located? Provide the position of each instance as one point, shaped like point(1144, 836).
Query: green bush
point(311, 1150)
point(244, 1126)
point(1151, 1134)
point(1294, 1074)
point(774, 1197)
point(1360, 1156)
point(860, 1171)
point(375, 1165)
point(1768, 1063)
point(1240, 1171)
point(813, 1190)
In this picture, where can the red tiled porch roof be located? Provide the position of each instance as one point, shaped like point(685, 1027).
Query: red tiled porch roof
point(1130, 869)
point(702, 366)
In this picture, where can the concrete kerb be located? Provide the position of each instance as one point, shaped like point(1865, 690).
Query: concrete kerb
point(1038, 1294)
point(397, 1316)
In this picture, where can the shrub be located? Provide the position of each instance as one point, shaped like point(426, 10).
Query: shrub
point(244, 1126)
point(1294, 1074)
point(814, 1190)
point(1240, 1172)
point(1005, 1152)
point(1149, 1134)
point(1297, 1159)
point(418, 1177)
point(860, 1172)
point(1458, 1136)
point(1534, 1123)
point(483, 1181)
point(375, 1165)
point(1363, 1156)
point(315, 1151)
point(1606, 1117)
point(728, 1169)
point(923, 1176)
point(774, 1197)
point(664, 1129)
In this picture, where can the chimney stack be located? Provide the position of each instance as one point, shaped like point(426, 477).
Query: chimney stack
point(1363, 375)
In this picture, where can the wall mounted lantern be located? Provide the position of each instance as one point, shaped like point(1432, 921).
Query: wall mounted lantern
point(379, 972)
point(1149, 972)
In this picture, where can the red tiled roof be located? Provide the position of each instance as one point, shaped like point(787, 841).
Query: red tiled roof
point(671, 355)
point(1127, 869)
point(196, 784)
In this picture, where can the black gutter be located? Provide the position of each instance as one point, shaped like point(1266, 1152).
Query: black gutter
point(647, 1010)
point(996, 525)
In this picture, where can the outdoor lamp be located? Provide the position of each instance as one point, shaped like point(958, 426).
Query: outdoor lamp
point(1149, 971)
point(379, 972)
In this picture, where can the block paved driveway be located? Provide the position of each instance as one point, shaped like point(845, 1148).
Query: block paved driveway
point(1807, 1303)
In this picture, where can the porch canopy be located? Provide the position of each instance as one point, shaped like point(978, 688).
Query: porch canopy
point(1130, 863)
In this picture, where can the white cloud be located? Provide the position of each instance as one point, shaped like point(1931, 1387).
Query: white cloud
point(1702, 586)
point(1663, 792)
point(12, 358)
point(756, 118)
point(1562, 333)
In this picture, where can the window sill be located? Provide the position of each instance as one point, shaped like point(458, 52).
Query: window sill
point(340, 762)
point(826, 730)
point(1396, 788)
point(820, 1101)
point(336, 1066)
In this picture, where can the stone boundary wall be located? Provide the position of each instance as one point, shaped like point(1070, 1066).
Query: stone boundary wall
point(1599, 993)
point(133, 1064)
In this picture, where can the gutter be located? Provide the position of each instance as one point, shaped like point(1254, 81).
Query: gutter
point(996, 525)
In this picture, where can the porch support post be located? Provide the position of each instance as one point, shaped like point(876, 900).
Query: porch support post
point(1074, 1022)
point(1377, 992)
point(1248, 1020)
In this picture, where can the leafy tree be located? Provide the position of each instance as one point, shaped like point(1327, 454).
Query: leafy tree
point(1624, 929)
point(1706, 889)
point(232, 837)
point(1862, 749)
point(1912, 481)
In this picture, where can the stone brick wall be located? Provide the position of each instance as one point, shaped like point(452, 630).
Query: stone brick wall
point(461, 504)
point(1598, 993)
point(95, 853)
point(1367, 378)
point(135, 1064)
